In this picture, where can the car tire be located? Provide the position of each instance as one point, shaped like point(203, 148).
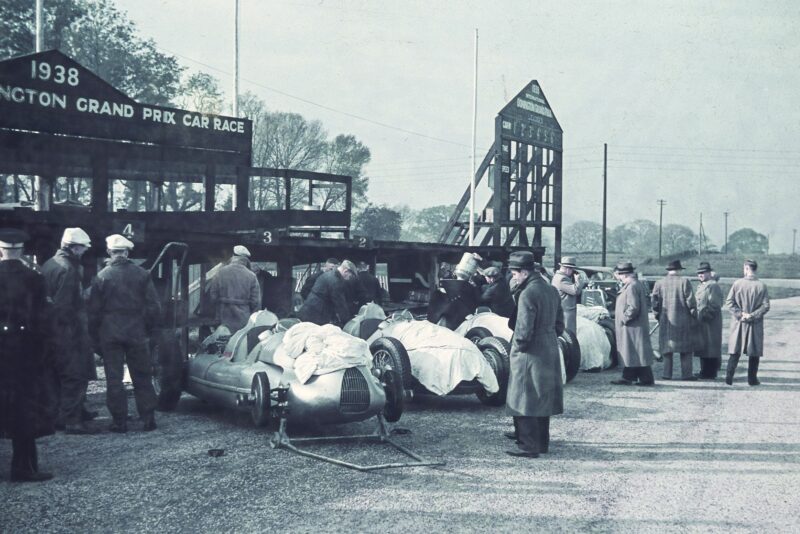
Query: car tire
point(168, 370)
point(260, 411)
point(572, 354)
point(477, 333)
point(496, 351)
point(395, 403)
point(388, 352)
point(609, 328)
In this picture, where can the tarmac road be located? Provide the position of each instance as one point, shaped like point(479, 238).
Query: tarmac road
point(678, 457)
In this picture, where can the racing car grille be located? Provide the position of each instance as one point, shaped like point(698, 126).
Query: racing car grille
point(355, 393)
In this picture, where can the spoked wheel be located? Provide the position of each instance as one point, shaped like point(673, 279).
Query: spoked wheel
point(572, 354)
point(477, 333)
point(260, 395)
point(393, 387)
point(496, 351)
point(389, 354)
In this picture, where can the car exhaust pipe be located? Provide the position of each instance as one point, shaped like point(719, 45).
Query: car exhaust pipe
point(244, 401)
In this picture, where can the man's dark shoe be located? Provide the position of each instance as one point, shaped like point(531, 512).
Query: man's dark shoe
point(89, 415)
point(119, 428)
point(149, 423)
point(689, 379)
point(78, 429)
point(645, 384)
point(510, 435)
point(666, 378)
point(29, 476)
point(755, 382)
point(60, 426)
point(621, 382)
point(523, 454)
point(729, 380)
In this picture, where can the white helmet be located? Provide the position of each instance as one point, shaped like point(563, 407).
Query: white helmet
point(241, 250)
point(75, 236)
point(118, 242)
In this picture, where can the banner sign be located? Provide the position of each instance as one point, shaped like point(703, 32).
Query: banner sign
point(49, 92)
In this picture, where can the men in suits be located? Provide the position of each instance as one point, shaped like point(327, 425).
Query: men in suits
point(569, 286)
point(674, 305)
point(748, 302)
point(25, 413)
point(632, 329)
point(709, 322)
point(535, 390)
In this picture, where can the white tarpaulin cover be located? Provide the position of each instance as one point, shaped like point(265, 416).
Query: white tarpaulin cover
point(593, 313)
point(440, 358)
point(311, 349)
point(595, 347)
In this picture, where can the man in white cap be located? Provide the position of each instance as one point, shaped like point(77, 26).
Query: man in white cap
point(234, 291)
point(569, 286)
point(123, 312)
point(74, 363)
point(24, 330)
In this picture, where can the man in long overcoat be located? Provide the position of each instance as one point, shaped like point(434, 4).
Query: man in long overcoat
point(569, 286)
point(674, 306)
point(709, 322)
point(25, 413)
point(632, 328)
point(234, 291)
point(748, 302)
point(123, 313)
point(535, 390)
point(327, 302)
point(74, 364)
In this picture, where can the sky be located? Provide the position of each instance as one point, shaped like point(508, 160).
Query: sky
point(697, 100)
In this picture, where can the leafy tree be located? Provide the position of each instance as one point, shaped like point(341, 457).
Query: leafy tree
point(379, 222)
point(100, 37)
point(677, 238)
point(636, 238)
point(583, 236)
point(346, 155)
point(747, 241)
point(426, 224)
point(201, 92)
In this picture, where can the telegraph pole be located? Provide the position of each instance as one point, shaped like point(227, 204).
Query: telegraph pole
point(661, 204)
point(726, 232)
point(474, 134)
point(39, 26)
point(235, 107)
point(794, 240)
point(605, 191)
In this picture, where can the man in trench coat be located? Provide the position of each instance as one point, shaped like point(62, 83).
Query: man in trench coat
point(674, 306)
point(234, 291)
point(709, 322)
point(535, 390)
point(25, 411)
point(748, 302)
point(632, 328)
point(569, 286)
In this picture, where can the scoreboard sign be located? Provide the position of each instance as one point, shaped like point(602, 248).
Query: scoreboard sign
point(51, 93)
point(528, 118)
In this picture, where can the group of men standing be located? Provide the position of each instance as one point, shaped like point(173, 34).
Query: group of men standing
point(50, 331)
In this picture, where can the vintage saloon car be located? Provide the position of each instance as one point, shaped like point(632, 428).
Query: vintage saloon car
point(240, 372)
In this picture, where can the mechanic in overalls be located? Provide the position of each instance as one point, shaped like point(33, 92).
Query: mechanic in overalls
point(123, 312)
point(234, 291)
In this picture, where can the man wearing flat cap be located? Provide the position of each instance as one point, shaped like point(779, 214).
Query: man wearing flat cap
point(123, 313)
point(496, 293)
point(535, 390)
point(674, 305)
point(25, 413)
point(632, 326)
point(72, 358)
point(748, 302)
point(709, 322)
point(234, 291)
point(569, 286)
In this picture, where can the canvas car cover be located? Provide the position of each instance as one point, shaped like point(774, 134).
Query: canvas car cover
point(595, 346)
point(440, 358)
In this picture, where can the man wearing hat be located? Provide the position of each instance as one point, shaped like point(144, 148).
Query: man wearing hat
point(123, 312)
point(25, 413)
point(327, 303)
point(674, 305)
point(496, 293)
point(535, 390)
point(234, 291)
point(72, 358)
point(632, 328)
point(329, 265)
point(709, 322)
point(569, 286)
point(748, 302)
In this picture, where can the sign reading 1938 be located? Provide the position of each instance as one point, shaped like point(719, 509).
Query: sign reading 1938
point(50, 92)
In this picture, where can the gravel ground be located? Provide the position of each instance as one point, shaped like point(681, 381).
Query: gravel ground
point(682, 456)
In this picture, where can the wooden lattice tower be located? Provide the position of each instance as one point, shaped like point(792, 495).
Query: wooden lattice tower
point(524, 170)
